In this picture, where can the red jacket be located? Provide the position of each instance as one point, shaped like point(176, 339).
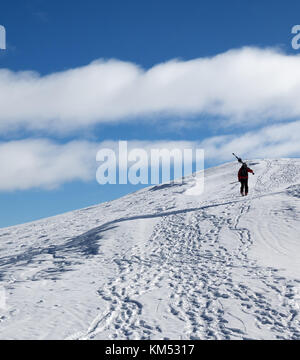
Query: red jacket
point(244, 177)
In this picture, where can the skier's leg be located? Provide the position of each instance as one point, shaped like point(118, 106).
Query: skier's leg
point(246, 187)
point(242, 186)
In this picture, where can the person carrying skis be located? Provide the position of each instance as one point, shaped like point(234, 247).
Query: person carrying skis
point(243, 178)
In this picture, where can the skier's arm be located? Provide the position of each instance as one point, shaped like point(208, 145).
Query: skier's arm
point(251, 171)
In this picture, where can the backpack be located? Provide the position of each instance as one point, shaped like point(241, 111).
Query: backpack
point(244, 172)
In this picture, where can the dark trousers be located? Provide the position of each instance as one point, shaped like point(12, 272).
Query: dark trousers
point(244, 186)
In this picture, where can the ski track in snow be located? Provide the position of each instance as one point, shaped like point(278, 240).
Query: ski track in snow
point(186, 282)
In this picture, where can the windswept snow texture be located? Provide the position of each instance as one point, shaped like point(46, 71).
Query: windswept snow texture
point(163, 263)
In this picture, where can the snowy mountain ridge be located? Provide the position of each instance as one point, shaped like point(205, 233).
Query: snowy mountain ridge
point(166, 262)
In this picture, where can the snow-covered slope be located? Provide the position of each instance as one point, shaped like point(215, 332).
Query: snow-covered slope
point(162, 263)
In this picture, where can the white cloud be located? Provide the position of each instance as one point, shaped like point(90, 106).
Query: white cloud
point(276, 141)
point(42, 163)
point(247, 84)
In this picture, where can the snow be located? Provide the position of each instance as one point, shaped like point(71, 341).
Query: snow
point(166, 262)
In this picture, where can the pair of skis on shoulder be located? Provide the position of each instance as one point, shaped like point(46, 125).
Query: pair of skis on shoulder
point(238, 159)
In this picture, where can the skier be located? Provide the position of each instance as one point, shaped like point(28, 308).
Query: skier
point(243, 178)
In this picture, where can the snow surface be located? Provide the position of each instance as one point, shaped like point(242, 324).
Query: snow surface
point(165, 262)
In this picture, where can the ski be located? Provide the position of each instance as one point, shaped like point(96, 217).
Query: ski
point(238, 158)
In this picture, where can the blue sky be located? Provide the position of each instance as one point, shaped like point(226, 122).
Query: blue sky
point(52, 37)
